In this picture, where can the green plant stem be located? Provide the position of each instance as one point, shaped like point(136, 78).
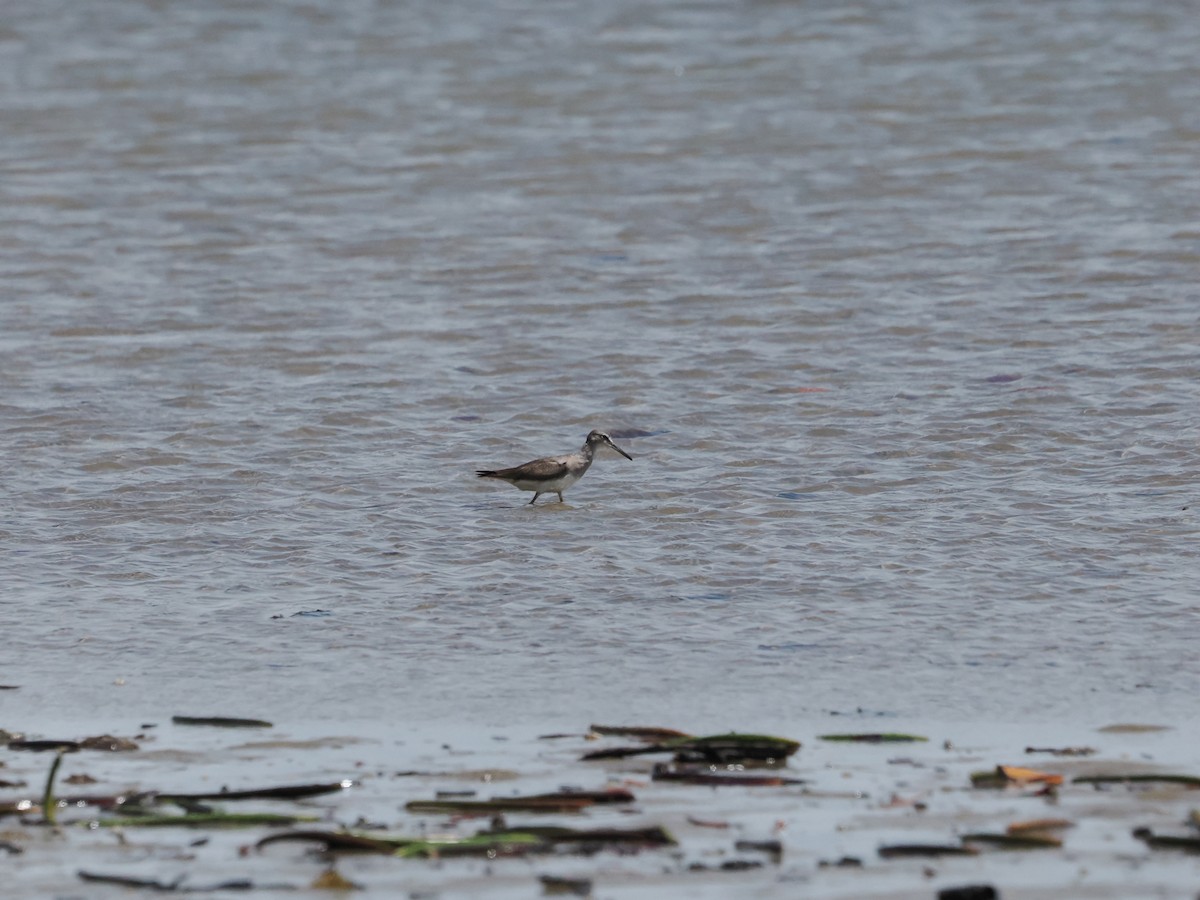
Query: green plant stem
point(49, 804)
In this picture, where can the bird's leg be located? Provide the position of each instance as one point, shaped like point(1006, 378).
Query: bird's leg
point(560, 499)
point(534, 500)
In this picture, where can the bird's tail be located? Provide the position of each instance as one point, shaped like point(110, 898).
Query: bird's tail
point(485, 473)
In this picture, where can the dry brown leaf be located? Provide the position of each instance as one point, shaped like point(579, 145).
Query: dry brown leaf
point(1039, 825)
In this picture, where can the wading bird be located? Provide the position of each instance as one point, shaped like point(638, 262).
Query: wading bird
point(554, 474)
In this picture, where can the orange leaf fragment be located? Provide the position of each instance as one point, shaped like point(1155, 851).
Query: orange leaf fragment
point(707, 823)
point(331, 880)
point(1022, 775)
point(1039, 825)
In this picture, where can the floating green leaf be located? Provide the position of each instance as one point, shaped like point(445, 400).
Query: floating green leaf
point(206, 820)
point(653, 835)
point(49, 804)
point(507, 843)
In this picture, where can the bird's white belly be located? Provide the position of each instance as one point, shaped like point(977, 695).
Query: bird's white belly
point(546, 487)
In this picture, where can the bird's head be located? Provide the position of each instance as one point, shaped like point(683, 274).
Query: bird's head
point(600, 439)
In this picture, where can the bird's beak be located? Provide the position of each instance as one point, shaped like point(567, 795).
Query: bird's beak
point(618, 449)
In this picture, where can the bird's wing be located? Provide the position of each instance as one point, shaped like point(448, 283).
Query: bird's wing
point(538, 470)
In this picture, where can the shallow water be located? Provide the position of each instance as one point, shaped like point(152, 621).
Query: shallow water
point(854, 799)
point(894, 306)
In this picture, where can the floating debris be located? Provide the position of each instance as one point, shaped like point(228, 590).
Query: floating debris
point(553, 886)
point(237, 884)
point(707, 823)
point(221, 722)
point(734, 748)
point(108, 743)
point(127, 881)
point(730, 865)
point(1132, 728)
point(846, 862)
point(773, 849)
point(1062, 751)
point(1187, 843)
point(739, 865)
point(310, 839)
point(1039, 825)
point(45, 746)
point(969, 892)
point(510, 843)
point(720, 748)
point(564, 801)
point(484, 776)
point(896, 851)
point(1011, 841)
point(639, 732)
point(332, 880)
point(1191, 781)
point(651, 836)
point(874, 738)
point(203, 820)
point(1003, 776)
point(711, 776)
point(484, 843)
point(284, 792)
point(333, 841)
point(490, 807)
point(102, 742)
point(1022, 775)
